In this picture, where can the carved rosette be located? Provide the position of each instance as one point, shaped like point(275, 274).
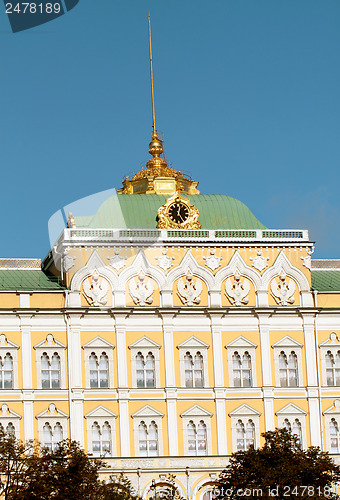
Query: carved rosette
point(117, 262)
point(165, 261)
point(259, 262)
point(212, 261)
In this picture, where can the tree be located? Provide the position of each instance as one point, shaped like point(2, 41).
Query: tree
point(29, 471)
point(281, 469)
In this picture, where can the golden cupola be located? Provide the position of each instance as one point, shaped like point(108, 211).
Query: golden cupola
point(157, 177)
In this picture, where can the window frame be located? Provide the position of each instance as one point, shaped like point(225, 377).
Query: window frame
point(50, 345)
point(6, 346)
point(292, 412)
point(9, 416)
point(288, 345)
point(147, 414)
point(241, 345)
point(52, 415)
point(244, 413)
point(329, 414)
point(98, 346)
point(144, 345)
point(193, 345)
point(332, 344)
point(101, 415)
point(196, 414)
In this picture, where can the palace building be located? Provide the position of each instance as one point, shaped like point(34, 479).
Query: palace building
point(168, 330)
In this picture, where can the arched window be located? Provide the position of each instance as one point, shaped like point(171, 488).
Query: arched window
point(334, 436)
point(50, 371)
point(99, 371)
point(288, 370)
point(10, 429)
point(333, 369)
point(6, 372)
point(51, 437)
point(148, 439)
point(297, 430)
point(245, 435)
point(193, 367)
point(197, 438)
point(145, 370)
point(286, 425)
point(242, 370)
point(101, 439)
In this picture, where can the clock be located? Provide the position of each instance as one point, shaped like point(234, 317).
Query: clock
point(178, 212)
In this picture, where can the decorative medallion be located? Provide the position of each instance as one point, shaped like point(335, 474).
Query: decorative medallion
point(189, 290)
point(283, 291)
point(117, 262)
point(95, 290)
point(212, 261)
point(238, 291)
point(178, 213)
point(142, 290)
point(165, 261)
point(259, 262)
point(68, 261)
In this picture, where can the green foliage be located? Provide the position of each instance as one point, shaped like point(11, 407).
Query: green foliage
point(279, 470)
point(28, 472)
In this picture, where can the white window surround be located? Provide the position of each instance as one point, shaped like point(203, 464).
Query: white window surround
point(52, 416)
point(144, 345)
point(9, 416)
point(6, 346)
point(292, 412)
point(98, 346)
point(50, 345)
point(196, 414)
point(330, 413)
point(241, 345)
point(287, 345)
point(331, 344)
point(147, 414)
point(245, 413)
point(193, 345)
point(101, 415)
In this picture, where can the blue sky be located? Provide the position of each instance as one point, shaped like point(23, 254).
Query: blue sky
point(247, 95)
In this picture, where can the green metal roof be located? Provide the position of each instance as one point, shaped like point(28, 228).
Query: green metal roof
point(27, 280)
point(216, 211)
point(326, 280)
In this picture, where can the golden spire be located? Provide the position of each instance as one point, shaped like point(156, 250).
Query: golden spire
point(155, 146)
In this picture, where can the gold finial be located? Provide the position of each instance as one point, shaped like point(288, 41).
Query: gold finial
point(154, 131)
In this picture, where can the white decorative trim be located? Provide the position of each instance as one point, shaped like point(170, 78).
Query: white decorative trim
point(241, 345)
point(9, 416)
point(244, 413)
point(147, 414)
point(100, 415)
point(196, 414)
point(98, 346)
point(6, 346)
point(52, 416)
point(331, 344)
point(145, 345)
point(292, 412)
point(193, 345)
point(330, 413)
point(287, 345)
point(50, 345)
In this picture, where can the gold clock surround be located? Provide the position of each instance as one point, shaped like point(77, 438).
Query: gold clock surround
point(165, 221)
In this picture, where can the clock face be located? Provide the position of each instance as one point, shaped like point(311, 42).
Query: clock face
point(178, 212)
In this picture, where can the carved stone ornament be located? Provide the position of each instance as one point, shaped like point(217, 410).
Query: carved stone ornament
point(117, 261)
point(259, 262)
point(213, 262)
point(178, 213)
point(237, 291)
point(95, 289)
point(142, 290)
point(283, 291)
point(189, 291)
point(68, 261)
point(307, 261)
point(165, 261)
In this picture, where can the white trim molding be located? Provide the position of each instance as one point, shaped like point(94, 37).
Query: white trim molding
point(8, 347)
point(98, 346)
point(148, 415)
point(196, 414)
point(287, 345)
point(332, 345)
point(144, 345)
point(244, 414)
point(50, 346)
point(241, 345)
point(8, 416)
point(193, 346)
point(101, 416)
point(332, 415)
point(291, 412)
